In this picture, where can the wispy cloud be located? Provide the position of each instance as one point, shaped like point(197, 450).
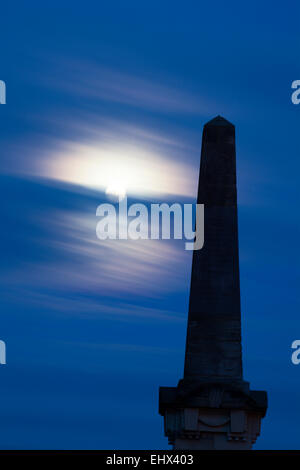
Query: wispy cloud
point(87, 264)
point(66, 267)
point(105, 83)
point(99, 153)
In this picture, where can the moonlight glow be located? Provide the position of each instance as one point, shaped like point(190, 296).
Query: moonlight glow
point(127, 169)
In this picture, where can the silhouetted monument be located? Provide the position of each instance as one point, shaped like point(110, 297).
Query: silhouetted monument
point(212, 407)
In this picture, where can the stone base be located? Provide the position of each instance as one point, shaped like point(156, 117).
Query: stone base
point(193, 428)
point(209, 444)
point(212, 416)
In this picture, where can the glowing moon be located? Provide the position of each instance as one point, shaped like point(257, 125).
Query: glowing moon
point(118, 169)
point(116, 190)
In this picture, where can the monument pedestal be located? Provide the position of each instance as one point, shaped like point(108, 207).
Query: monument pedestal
point(216, 416)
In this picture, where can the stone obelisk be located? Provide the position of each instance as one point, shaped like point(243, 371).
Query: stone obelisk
point(212, 407)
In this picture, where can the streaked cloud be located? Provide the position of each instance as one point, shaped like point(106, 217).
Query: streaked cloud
point(99, 153)
point(101, 266)
point(111, 84)
point(64, 266)
point(135, 169)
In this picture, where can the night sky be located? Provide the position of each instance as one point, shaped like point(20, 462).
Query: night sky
point(115, 94)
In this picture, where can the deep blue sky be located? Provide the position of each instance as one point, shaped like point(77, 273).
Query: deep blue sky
point(91, 330)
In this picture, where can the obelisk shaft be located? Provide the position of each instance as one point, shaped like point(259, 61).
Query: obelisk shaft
point(213, 346)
